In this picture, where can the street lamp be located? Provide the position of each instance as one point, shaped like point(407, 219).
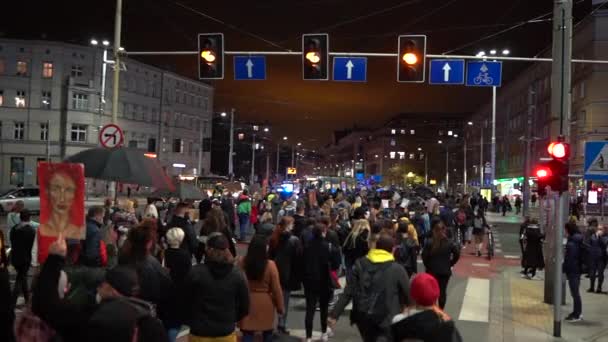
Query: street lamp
point(94, 42)
point(223, 114)
point(284, 138)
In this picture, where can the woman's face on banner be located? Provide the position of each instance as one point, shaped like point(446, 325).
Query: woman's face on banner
point(62, 190)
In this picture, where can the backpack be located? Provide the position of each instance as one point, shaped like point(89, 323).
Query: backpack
point(402, 254)
point(461, 217)
point(371, 302)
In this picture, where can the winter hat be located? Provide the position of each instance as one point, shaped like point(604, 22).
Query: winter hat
point(217, 241)
point(424, 289)
point(124, 280)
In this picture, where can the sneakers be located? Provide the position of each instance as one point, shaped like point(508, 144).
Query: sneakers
point(309, 340)
point(572, 319)
point(324, 337)
point(330, 332)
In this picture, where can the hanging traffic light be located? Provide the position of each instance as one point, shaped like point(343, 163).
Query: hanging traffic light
point(554, 173)
point(411, 58)
point(210, 56)
point(315, 56)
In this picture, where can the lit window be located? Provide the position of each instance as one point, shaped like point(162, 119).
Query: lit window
point(401, 155)
point(80, 101)
point(19, 131)
point(402, 131)
point(21, 68)
point(412, 132)
point(45, 100)
point(412, 156)
point(79, 133)
point(76, 71)
point(393, 142)
point(47, 70)
point(20, 99)
point(44, 131)
point(393, 131)
point(392, 154)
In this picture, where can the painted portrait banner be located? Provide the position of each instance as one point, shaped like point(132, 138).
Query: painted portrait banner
point(61, 201)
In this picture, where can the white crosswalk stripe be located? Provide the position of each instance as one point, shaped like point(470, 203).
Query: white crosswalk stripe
point(476, 303)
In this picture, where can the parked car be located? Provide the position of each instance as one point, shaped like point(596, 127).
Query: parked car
point(29, 195)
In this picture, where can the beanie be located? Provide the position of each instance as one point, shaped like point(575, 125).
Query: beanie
point(424, 289)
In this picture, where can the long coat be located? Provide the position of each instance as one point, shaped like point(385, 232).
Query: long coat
point(533, 253)
point(266, 298)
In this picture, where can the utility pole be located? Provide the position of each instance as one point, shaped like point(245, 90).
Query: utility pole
point(560, 104)
point(267, 166)
point(252, 180)
point(200, 152)
point(231, 147)
point(464, 176)
point(278, 157)
point(481, 164)
point(447, 169)
point(116, 86)
point(493, 149)
point(426, 169)
point(528, 155)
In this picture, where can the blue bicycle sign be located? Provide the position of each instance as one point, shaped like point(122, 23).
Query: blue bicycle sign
point(484, 73)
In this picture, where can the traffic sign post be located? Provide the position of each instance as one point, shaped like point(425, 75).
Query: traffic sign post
point(350, 69)
point(249, 67)
point(111, 136)
point(596, 160)
point(484, 74)
point(446, 71)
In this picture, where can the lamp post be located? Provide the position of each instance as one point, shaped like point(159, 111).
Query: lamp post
point(231, 144)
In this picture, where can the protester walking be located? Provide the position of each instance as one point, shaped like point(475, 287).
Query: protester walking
point(179, 263)
point(286, 251)
point(407, 249)
point(479, 229)
point(533, 253)
point(22, 240)
point(379, 289)
point(13, 218)
point(216, 294)
point(94, 253)
point(439, 255)
point(356, 245)
point(572, 270)
point(597, 263)
point(7, 310)
point(265, 294)
point(244, 212)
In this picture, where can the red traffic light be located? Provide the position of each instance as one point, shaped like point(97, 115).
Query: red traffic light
point(600, 189)
point(559, 150)
point(543, 172)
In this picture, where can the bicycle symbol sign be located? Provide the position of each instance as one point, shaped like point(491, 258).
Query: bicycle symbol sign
point(484, 74)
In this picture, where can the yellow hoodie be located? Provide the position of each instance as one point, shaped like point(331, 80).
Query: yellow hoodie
point(379, 255)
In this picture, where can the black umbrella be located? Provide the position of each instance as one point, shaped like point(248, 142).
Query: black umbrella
point(125, 165)
point(182, 190)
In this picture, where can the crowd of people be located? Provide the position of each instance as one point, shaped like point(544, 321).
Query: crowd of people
point(144, 272)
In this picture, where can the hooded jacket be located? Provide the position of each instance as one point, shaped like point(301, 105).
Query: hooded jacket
point(440, 261)
point(287, 257)
point(573, 256)
point(394, 278)
point(218, 297)
point(22, 239)
point(427, 326)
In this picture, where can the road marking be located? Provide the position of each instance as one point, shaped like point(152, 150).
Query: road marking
point(511, 256)
point(498, 245)
point(480, 265)
point(498, 250)
point(476, 303)
point(183, 333)
point(419, 261)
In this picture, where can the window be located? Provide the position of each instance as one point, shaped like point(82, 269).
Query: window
point(392, 154)
point(412, 156)
point(17, 170)
point(76, 70)
point(133, 143)
point(80, 101)
point(21, 68)
point(2, 66)
point(412, 132)
point(134, 111)
point(47, 70)
point(393, 142)
point(152, 145)
point(44, 131)
point(20, 99)
point(19, 130)
point(1, 97)
point(45, 100)
point(402, 131)
point(178, 146)
point(393, 131)
point(79, 133)
point(191, 147)
point(401, 155)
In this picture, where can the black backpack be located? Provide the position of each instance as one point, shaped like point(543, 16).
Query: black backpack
point(371, 301)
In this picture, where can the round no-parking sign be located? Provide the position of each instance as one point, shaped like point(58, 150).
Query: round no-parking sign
point(111, 136)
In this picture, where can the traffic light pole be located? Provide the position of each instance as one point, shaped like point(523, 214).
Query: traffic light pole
point(231, 147)
point(493, 148)
point(528, 154)
point(252, 180)
point(112, 193)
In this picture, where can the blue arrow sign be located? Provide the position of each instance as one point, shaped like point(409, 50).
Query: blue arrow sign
point(350, 69)
point(249, 67)
point(596, 160)
point(484, 74)
point(446, 71)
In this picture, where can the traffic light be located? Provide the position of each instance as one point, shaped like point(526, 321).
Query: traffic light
point(315, 56)
point(210, 56)
point(411, 58)
point(554, 173)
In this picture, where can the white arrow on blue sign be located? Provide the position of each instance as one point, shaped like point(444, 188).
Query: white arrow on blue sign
point(484, 73)
point(446, 71)
point(249, 67)
point(350, 69)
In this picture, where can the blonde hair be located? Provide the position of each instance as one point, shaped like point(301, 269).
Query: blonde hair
point(128, 206)
point(359, 226)
point(266, 217)
point(175, 236)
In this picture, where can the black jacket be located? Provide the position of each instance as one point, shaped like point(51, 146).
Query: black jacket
point(316, 265)
point(218, 297)
point(22, 239)
point(440, 261)
point(7, 312)
point(115, 320)
point(533, 254)
point(425, 326)
point(406, 254)
point(179, 263)
point(287, 256)
point(299, 225)
point(91, 254)
point(359, 249)
point(190, 242)
point(396, 290)
point(573, 256)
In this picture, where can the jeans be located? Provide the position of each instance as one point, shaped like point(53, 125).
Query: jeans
point(248, 336)
point(244, 223)
point(283, 318)
point(596, 270)
point(21, 284)
point(442, 280)
point(172, 334)
point(574, 283)
point(312, 298)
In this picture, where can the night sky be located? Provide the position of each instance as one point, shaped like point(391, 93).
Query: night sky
point(297, 108)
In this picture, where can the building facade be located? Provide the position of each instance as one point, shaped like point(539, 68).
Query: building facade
point(51, 107)
point(525, 103)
